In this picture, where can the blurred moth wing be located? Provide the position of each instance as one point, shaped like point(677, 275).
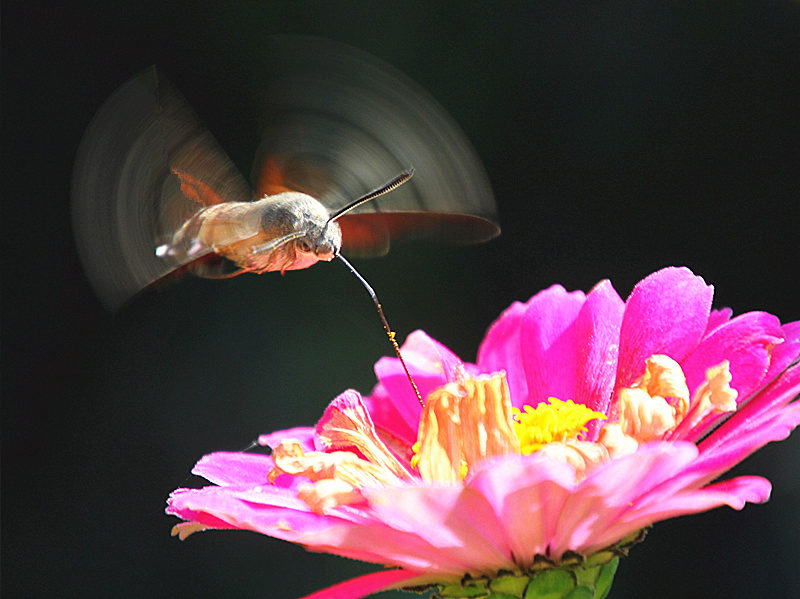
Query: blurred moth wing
point(144, 168)
point(337, 120)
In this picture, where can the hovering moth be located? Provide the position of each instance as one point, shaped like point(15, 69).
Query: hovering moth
point(155, 195)
point(285, 231)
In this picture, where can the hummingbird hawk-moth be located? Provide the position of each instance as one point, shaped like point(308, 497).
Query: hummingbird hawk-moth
point(155, 195)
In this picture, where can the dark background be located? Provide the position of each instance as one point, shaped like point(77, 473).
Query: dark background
point(619, 137)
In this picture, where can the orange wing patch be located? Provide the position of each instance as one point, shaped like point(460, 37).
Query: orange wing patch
point(196, 190)
point(270, 179)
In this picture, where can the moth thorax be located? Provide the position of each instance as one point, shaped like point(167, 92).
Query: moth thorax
point(294, 212)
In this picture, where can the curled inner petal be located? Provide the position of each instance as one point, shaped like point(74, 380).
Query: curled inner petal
point(324, 495)
point(581, 455)
point(616, 442)
point(713, 397)
point(664, 377)
point(336, 476)
point(346, 425)
point(656, 404)
point(642, 417)
point(463, 423)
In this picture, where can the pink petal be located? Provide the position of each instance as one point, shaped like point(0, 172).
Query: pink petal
point(225, 468)
point(387, 417)
point(716, 460)
point(176, 506)
point(597, 329)
point(660, 506)
point(787, 352)
point(746, 342)
point(423, 354)
point(459, 521)
point(720, 456)
point(368, 584)
point(666, 313)
point(501, 350)
point(717, 318)
point(212, 498)
point(398, 390)
point(372, 541)
point(242, 469)
point(431, 365)
point(527, 493)
point(734, 492)
point(349, 531)
point(223, 507)
point(612, 488)
point(302, 434)
point(549, 342)
point(770, 401)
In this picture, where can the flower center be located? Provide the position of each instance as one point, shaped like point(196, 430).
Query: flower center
point(554, 420)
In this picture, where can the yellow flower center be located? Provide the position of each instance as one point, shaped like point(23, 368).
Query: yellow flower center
point(465, 422)
point(554, 420)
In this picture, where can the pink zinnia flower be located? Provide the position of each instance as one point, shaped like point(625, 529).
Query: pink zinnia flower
point(585, 420)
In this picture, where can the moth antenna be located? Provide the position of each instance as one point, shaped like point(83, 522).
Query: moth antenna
point(389, 332)
point(385, 188)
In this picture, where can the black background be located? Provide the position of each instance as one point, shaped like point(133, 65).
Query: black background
point(619, 137)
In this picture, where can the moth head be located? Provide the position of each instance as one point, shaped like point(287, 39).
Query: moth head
point(321, 241)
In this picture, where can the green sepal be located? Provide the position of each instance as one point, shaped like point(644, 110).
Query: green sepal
point(603, 585)
point(510, 584)
point(574, 577)
point(550, 584)
point(565, 582)
point(580, 592)
point(468, 588)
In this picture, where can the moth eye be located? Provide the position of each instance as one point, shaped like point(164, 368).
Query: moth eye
point(304, 246)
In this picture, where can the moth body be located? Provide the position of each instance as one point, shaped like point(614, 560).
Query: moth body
point(285, 231)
